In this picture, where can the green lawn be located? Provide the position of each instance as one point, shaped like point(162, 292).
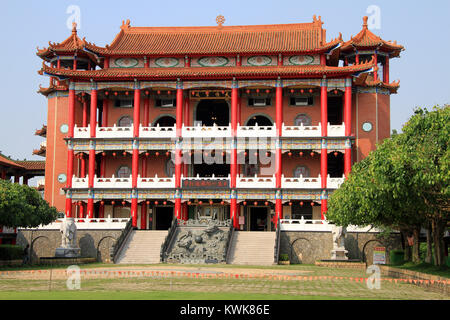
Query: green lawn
point(426, 268)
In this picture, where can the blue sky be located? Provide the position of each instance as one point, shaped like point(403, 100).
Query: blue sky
point(421, 26)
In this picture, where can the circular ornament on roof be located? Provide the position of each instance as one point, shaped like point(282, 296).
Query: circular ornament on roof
point(126, 62)
point(213, 61)
point(64, 128)
point(167, 62)
point(367, 126)
point(301, 60)
point(62, 178)
point(259, 61)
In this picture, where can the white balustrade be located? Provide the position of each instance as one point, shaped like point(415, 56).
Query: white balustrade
point(302, 131)
point(198, 178)
point(81, 132)
point(256, 131)
point(206, 132)
point(80, 183)
point(112, 183)
point(335, 183)
point(304, 225)
point(256, 182)
point(301, 183)
point(114, 132)
point(158, 132)
point(336, 131)
point(93, 224)
point(156, 182)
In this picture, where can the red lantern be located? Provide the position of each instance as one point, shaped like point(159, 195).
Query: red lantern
point(267, 91)
point(257, 90)
point(157, 154)
point(102, 202)
point(169, 92)
point(158, 92)
point(255, 203)
point(123, 203)
point(335, 92)
point(300, 154)
point(189, 203)
point(106, 93)
point(211, 202)
point(256, 154)
point(222, 202)
point(104, 154)
point(147, 202)
point(167, 153)
point(126, 93)
point(245, 203)
point(290, 203)
point(147, 154)
point(245, 153)
point(200, 202)
point(113, 202)
point(336, 154)
point(312, 204)
point(290, 154)
point(248, 91)
point(267, 154)
point(156, 203)
point(302, 91)
point(147, 92)
point(312, 154)
point(266, 203)
point(165, 203)
point(301, 203)
point(124, 153)
point(114, 154)
point(311, 90)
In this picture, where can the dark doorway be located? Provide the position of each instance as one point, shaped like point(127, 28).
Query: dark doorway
point(336, 165)
point(258, 219)
point(205, 170)
point(163, 216)
point(299, 211)
point(165, 121)
point(335, 110)
point(262, 121)
point(210, 112)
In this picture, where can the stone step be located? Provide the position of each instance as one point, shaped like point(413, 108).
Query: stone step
point(143, 247)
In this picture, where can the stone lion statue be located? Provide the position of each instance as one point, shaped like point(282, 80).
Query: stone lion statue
point(338, 236)
point(68, 231)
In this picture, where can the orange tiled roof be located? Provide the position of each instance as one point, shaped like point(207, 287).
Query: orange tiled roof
point(40, 152)
point(41, 132)
point(32, 165)
point(154, 41)
point(52, 88)
point(8, 162)
point(208, 72)
point(71, 44)
point(366, 40)
point(367, 80)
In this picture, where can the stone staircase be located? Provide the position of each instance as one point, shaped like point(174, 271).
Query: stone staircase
point(142, 247)
point(252, 248)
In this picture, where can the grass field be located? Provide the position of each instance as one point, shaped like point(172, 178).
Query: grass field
point(340, 284)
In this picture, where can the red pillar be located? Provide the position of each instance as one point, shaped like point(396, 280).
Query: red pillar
point(146, 112)
point(135, 157)
point(70, 154)
point(375, 72)
point(348, 126)
point(105, 112)
point(357, 59)
point(279, 152)
point(234, 164)
point(186, 119)
point(93, 130)
point(323, 59)
point(101, 211)
point(386, 70)
point(324, 150)
point(144, 216)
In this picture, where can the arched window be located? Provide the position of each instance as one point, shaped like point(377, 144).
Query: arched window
point(301, 171)
point(165, 121)
point(123, 172)
point(302, 119)
point(170, 168)
point(125, 121)
point(261, 120)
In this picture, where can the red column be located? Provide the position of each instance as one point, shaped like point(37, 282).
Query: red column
point(75, 62)
point(386, 70)
point(234, 164)
point(146, 112)
point(106, 63)
point(105, 112)
point(357, 59)
point(135, 157)
point(101, 210)
point(375, 72)
point(178, 151)
point(93, 125)
point(70, 154)
point(348, 126)
point(323, 59)
point(279, 152)
point(144, 216)
point(179, 111)
point(324, 150)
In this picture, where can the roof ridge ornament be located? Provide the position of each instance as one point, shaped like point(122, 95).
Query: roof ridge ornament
point(220, 20)
point(125, 25)
point(74, 28)
point(365, 24)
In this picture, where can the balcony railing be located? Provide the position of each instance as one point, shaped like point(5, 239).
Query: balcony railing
point(320, 226)
point(241, 182)
point(210, 132)
point(107, 223)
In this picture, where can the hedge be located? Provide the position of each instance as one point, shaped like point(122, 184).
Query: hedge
point(11, 252)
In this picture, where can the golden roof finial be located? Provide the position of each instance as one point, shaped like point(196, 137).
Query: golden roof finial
point(74, 27)
point(365, 19)
point(220, 19)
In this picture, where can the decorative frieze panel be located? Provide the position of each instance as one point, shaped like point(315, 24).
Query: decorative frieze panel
point(206, 194)
point(213, 62)
point(167, 62)
point(259, 61)
point(314, 195)
point(127, 63)
point(301, 60)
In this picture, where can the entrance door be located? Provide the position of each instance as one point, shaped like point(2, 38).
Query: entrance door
point(163, 218)
point(258, 219)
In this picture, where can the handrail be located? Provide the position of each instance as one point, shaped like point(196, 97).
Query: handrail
point(230, 238)
point(117, 247)
point(166, 244)
point(277, 242)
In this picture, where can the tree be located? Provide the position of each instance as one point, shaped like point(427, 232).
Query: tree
point(403, 184)
point(22, 206)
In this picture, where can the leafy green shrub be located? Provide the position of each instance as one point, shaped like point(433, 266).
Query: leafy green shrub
point(284, 257)
point(396, 257)
point(11, 252)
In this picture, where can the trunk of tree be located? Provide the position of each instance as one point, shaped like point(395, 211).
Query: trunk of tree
point(438, 240)
point(429, 257)
point(407, 248)
point(416, 245)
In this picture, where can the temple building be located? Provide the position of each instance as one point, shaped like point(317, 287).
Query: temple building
point(251, 123)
